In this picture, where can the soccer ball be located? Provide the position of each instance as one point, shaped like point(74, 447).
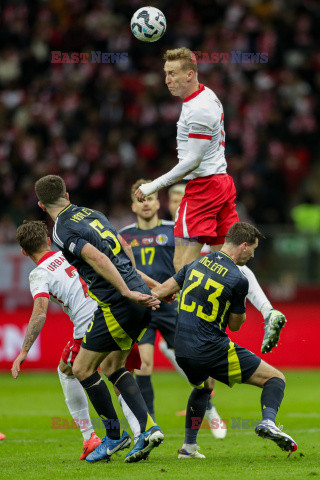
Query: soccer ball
point(148, 24)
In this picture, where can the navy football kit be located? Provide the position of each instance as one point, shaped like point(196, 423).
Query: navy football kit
point(212, 288)
point(118, 322)
point(153, 250)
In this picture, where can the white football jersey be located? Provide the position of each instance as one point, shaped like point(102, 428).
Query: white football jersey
point(202, 117)
point(56, 279)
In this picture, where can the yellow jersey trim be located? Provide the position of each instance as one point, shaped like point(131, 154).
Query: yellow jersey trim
point(234, 368)
point(65, 209)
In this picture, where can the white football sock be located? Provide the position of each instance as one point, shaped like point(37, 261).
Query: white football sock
point(131, 418)
point(255, 294)
point(189, 447)
point(77, 403)
point(169, 353)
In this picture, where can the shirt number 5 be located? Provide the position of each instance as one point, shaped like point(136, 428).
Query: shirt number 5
point(96, 225)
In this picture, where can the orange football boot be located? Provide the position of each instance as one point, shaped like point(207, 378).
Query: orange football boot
point(90, 445)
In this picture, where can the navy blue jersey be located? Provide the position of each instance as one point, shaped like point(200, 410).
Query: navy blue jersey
point(75, 226)
point(212, 288)
point(153, 249)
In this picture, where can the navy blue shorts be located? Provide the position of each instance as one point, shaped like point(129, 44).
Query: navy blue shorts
point(229, 363)
point(116, 327)
point(163, 320)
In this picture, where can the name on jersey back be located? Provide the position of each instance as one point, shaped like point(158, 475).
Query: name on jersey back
point(214, 266)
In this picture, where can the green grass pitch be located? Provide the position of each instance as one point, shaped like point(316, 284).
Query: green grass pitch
point(34, 450)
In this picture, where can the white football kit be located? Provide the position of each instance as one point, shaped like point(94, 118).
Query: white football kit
point(200, 141)
point(56, 279)
point(202, 118)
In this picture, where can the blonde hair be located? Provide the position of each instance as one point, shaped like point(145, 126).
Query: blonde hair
point(185, 56)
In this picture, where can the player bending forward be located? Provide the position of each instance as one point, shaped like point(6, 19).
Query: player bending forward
point(213, 297)
point(54, 278)
point(91, 244)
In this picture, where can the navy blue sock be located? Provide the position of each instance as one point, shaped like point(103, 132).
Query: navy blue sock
point(131, 394)
point(196, 408)
point(146, 389)
point(100, 398)
point(271, 398)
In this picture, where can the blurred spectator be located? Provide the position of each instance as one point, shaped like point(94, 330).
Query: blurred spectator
point(306, 216)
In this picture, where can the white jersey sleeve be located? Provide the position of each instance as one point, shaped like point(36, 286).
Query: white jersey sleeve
point(39, 283)
point(196, 150)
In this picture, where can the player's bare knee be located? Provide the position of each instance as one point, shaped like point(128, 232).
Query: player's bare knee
point(273, 374)
point(280, 375)
point(112, 366)
point(107, 369)
point(81, 371)
point(146, 366)
point(64, 368)
point(77, 372)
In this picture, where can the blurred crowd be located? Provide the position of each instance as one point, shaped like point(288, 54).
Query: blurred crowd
point(103, 125)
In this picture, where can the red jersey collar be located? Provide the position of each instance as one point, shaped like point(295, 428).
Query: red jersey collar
point(194, 94)
point(45, 256)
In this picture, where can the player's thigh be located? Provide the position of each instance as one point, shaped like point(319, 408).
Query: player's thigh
point(114, 361)
point(263, 373)
point(178, 254)
point(146, 350)
point(87, 362)
point(146, 353)
point(186, 251)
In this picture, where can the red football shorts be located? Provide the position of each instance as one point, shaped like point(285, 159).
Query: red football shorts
point(72, 348)
point(134, 360)
point(207, 209)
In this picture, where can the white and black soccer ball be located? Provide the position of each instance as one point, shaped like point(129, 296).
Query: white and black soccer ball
point(148, 24)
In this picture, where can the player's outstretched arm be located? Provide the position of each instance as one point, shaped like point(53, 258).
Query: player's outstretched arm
point(166, 289)
point(149, 281)
point(105, 268)
point(127, 249)
point(36, 322)
point(196, 149)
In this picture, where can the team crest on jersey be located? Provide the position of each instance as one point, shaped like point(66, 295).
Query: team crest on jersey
point(199, 128)
point(147, 240)
point(134, 243)
point(162, 239)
